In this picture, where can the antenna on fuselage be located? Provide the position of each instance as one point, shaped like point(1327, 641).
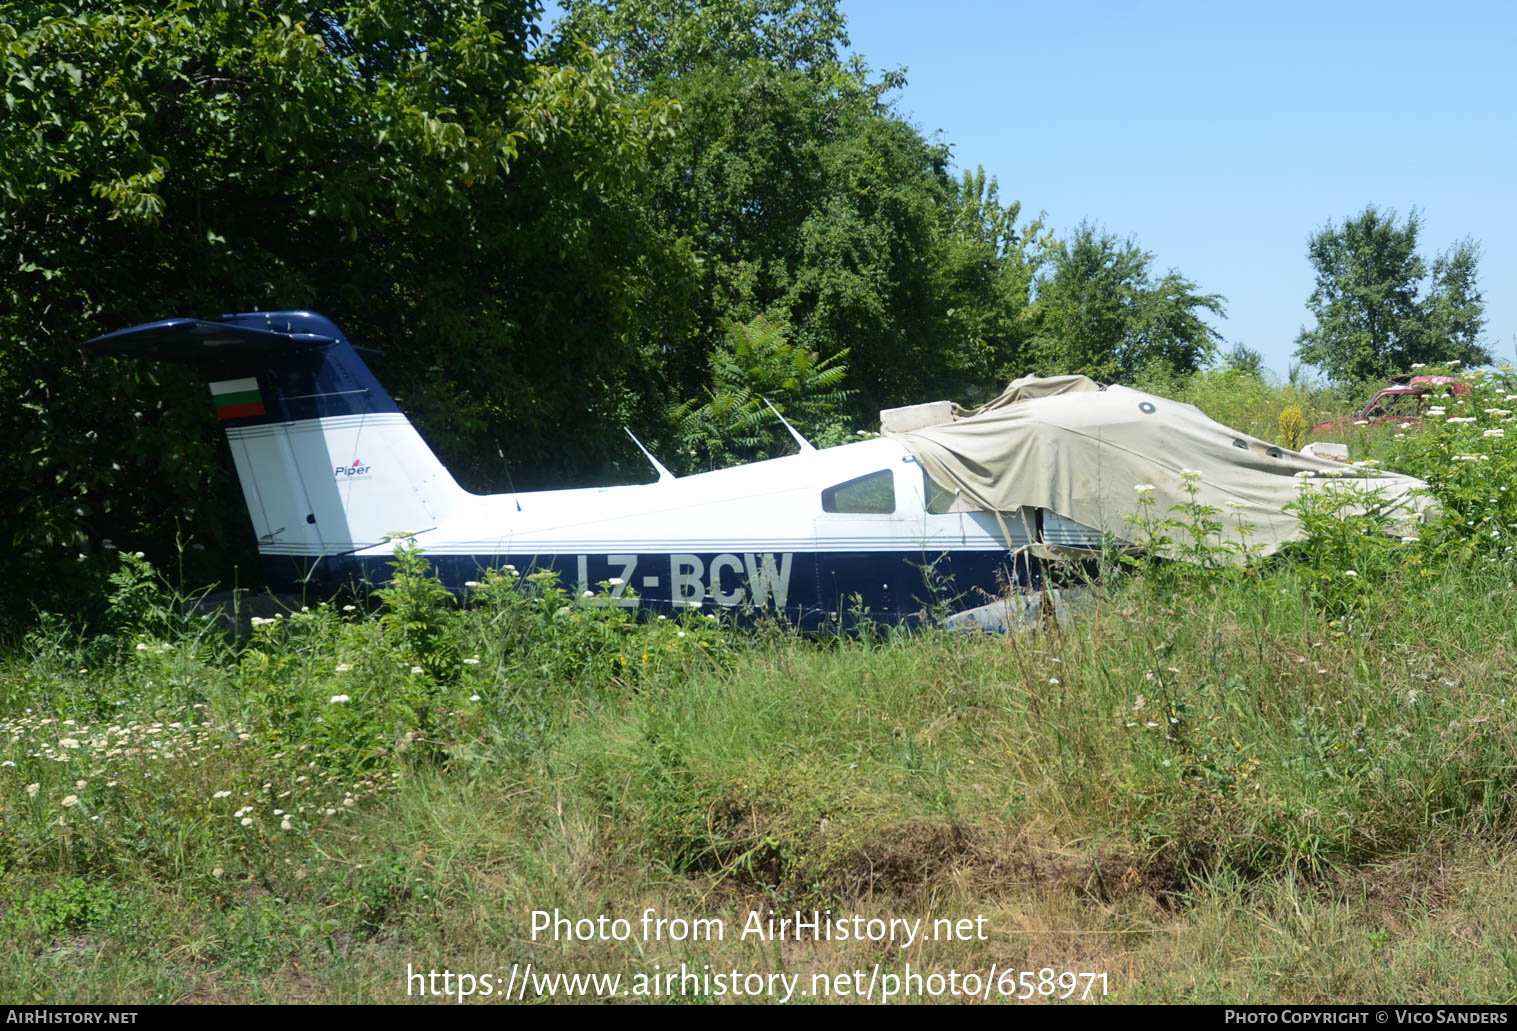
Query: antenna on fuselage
point(664, 475)
point(802, 441)
point(507, 466)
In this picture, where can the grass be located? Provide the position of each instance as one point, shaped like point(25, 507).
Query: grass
point(1216, 785)
point(1222, 797)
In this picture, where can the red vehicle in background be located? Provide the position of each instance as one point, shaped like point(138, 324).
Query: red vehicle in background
point(1406, 401)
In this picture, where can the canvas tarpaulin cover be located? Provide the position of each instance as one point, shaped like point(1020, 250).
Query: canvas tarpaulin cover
point(1070, 446)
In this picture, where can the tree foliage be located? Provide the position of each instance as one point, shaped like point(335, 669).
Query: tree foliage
point(409, 169)
point(659, 41)
point(753, 367)
point(811, 201)
point(1378, 306)
point(1101, 311)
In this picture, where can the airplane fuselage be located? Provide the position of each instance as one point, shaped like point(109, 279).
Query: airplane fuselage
point(821, 537)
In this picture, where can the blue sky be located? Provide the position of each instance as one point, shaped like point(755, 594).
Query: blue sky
point(1221, 135)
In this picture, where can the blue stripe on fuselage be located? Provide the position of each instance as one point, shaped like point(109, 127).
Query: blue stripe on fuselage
point(812, 589)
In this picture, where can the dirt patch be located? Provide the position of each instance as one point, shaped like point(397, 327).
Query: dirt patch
point(744, 846)
point(917, 857)
point(1390, 893)
point(1163, 876)
point(758, 846)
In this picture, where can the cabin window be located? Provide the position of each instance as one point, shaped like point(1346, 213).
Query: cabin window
point(939, 498)
point(872, 495)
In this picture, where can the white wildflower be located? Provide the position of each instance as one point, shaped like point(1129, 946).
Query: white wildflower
point(1350, 573)
point(337, 699)
point(343, 667)
point(417, 671)
point(69, 801)
point(222, 794)
point(247, 821)
point(32, 789)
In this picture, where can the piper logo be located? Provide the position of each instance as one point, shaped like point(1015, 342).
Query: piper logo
point(356, 469)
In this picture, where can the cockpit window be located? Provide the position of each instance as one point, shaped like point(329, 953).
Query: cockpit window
point(873, 494)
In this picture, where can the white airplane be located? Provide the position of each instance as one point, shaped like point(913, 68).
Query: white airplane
point(332, 471)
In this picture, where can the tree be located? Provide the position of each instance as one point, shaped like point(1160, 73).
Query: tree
point(1244, 361)
point(409, 169)
point(1378, 309)
point(756, 365)
point(983, 265)
point(1101, 312)
point(810, 201)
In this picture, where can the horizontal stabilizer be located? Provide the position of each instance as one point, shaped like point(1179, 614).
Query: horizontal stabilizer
point(199, 340)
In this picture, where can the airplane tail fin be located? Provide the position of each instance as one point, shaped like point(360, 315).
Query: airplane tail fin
point(327, 463)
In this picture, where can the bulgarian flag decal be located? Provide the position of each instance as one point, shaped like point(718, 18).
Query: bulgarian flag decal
point(236, 398)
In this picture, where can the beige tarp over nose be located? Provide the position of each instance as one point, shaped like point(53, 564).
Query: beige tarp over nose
point(1075, 448)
